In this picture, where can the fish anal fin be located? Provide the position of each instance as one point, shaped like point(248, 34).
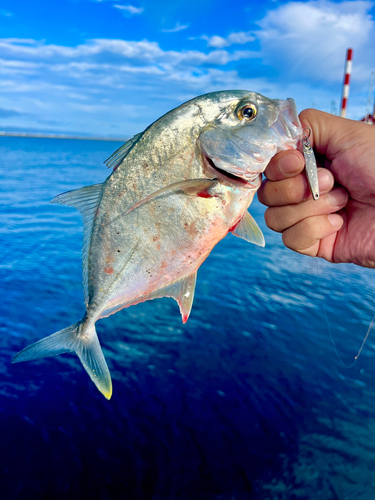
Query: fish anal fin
point(248, 230)
point(182, 291)
point(86, 200)
point(185, 295)
point(72, 339)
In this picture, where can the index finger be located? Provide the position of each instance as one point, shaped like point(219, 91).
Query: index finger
point(284, 165)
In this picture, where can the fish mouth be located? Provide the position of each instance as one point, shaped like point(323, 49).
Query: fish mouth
point(287, 127)
point(228, 176)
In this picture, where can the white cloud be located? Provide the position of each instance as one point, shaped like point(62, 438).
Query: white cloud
point(215, 41)
point(219, 42)
point(112, 71)
point(138, 52)
point(178, 27)
point(130, 9)
point(241, 37)
point(310, 39)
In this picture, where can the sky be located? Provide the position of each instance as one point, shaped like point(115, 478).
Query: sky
point(109, 68)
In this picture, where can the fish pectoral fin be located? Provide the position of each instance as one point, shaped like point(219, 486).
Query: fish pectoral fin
point(195, 187)
point(86, 200)
point(73, 339)
point(118, 156)
point(182, 291)
point(248, 230)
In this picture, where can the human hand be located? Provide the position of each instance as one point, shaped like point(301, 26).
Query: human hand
point(340, 226)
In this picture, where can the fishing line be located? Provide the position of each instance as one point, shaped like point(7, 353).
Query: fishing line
point(330, 332)
point(310, 171)
point(310, 166)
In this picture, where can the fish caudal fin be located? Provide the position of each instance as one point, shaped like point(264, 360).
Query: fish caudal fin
point(81, 340)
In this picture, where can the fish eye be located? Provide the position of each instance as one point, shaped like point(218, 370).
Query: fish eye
point(247, 112)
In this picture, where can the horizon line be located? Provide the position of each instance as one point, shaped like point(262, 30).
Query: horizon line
point(3, 133)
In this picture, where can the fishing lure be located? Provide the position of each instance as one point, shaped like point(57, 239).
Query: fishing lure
point(311, 167)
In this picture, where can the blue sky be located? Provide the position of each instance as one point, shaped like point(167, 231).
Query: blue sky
point(109, 68)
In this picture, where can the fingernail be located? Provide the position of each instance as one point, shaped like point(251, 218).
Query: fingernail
point(337, 197)
point(290, 163)
point(335, 219)
point(325, 179)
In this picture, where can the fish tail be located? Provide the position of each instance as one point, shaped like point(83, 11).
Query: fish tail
point(80, 338)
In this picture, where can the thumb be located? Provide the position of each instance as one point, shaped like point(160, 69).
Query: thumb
point(332, 135)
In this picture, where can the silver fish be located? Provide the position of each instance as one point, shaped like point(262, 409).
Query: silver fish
point(175, 191)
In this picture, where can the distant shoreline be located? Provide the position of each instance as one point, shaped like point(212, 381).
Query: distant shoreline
point(56, 136)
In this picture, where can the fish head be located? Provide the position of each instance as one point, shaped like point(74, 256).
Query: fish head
point(247, 132)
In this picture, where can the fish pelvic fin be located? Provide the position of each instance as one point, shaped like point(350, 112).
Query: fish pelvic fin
point(82, 340)
point(248, 230)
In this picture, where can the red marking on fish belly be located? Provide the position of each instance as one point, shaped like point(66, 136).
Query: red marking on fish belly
point(203, 194)
point(233, 227)
point(108, 270)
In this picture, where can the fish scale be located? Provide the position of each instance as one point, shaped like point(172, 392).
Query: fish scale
point(175, 191)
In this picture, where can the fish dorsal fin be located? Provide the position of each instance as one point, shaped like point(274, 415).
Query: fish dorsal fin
point(248, 230)
point(116, 158)
point(182, 291)
point(197, 187)
point(86, 200)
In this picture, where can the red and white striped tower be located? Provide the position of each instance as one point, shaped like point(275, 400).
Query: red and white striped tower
point(345, 87)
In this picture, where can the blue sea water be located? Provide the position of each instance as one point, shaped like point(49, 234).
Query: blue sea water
point(248, 400)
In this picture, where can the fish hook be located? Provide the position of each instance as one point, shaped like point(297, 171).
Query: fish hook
point(304, 133)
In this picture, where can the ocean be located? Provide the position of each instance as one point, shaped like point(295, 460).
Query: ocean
point(254, 398)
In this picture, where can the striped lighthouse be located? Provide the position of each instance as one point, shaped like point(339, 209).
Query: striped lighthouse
point(345, 87)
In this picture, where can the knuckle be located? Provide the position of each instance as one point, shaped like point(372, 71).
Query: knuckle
point(288, 239)
point(296, 189)
point(300, 236)
point(290, 193)
point(260, 193)
point(306, 116)
point(270, 217)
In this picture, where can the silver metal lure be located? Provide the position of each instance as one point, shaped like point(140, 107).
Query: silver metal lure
point(311, 168)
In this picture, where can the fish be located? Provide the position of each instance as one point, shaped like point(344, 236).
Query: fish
point(175, 190)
